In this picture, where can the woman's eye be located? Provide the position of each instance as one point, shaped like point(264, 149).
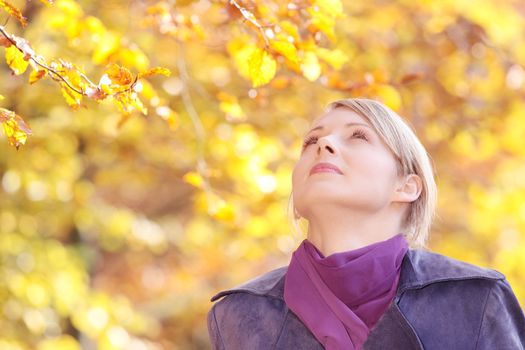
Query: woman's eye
point(309, 141)
point(359, 134)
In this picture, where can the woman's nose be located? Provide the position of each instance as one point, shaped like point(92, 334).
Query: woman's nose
point(325, 144)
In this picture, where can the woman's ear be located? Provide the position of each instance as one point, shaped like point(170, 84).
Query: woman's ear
point(409, 189)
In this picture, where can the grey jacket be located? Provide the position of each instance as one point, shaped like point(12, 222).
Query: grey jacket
point(440, 303)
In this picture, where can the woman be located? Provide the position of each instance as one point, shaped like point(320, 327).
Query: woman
point(363, 277)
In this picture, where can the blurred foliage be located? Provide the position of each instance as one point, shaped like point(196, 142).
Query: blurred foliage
point(117, 224)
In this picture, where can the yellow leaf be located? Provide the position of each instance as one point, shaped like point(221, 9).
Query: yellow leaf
point(13, 11)
point(36, 75)
point(136, 103)
point(219, 209)
point(193, 178)
point(310, 66)
point(73, 98)
point(241, 52)
point(233, 110)
point(285, 48)
point(156, 70)
point(230, 105)
point(333, 8)
point(63, 342)
point(15, 60)
point(389, 96)
point(107, 44)
point(335, 58)
point(1, 97)
point(127, 102)
point(323, 22)
point(262, 67)
point(290, 29)
point(132, 57)
point(14, 127)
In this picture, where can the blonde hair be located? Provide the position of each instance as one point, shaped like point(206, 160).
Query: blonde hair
point(411, 158)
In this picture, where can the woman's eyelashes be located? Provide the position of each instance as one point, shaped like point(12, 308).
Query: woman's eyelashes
point(358, 133)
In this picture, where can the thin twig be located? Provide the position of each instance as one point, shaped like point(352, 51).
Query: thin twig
point(49, 69)
point(194, 116)
point(246, 14)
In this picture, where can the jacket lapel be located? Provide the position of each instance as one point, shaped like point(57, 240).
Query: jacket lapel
point(392, 331)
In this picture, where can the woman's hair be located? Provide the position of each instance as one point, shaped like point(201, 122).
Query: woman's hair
point(411, 158)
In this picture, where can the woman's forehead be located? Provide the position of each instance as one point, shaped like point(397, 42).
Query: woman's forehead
point(338, 116)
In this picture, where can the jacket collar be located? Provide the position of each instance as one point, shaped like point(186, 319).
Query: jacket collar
point(419, 268)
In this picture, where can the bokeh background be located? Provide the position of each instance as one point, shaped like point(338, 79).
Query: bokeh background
point(116, 230)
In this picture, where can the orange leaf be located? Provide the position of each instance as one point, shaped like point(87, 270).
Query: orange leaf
point(5, 42)
point(119, 75)
point(36, 75)
point(15, 128)
point(13, 11)
point(407, 78)
point(156, 70)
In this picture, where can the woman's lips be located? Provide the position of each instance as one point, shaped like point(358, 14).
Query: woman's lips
point(326, 168)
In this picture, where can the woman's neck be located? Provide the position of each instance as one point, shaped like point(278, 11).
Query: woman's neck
point(348, 231)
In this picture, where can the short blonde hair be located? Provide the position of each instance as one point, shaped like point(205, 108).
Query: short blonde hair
point(411, 158)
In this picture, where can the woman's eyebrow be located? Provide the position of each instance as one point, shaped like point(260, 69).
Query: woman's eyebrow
point(320, 127)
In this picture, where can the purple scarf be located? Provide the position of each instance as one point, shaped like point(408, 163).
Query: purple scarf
point(340, 298)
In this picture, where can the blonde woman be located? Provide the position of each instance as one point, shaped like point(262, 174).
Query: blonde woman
point(364, 278)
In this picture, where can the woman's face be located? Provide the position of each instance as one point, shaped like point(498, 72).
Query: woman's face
point(367, 176)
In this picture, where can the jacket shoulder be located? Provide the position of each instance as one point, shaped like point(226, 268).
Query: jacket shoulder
point(263, 284)
point(427, 267)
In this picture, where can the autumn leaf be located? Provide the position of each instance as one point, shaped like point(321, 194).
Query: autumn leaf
point(15, 60)
point(119, 75)
point(73, 98)
point(5, 42)
point(219, 209)
point(262, 67)
point(230, 105)
point(128, 101)
point(107, 44)
point(14, 12)
point(336, 58)
point(36, 75)
point(156, 70)
point(410, 77)
point(310, 66)
point(322, 22)
point(332, 7)
point(193, 178)
point(15, 128)
point(290, 29)
point(285, 48)
point(388, 95)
